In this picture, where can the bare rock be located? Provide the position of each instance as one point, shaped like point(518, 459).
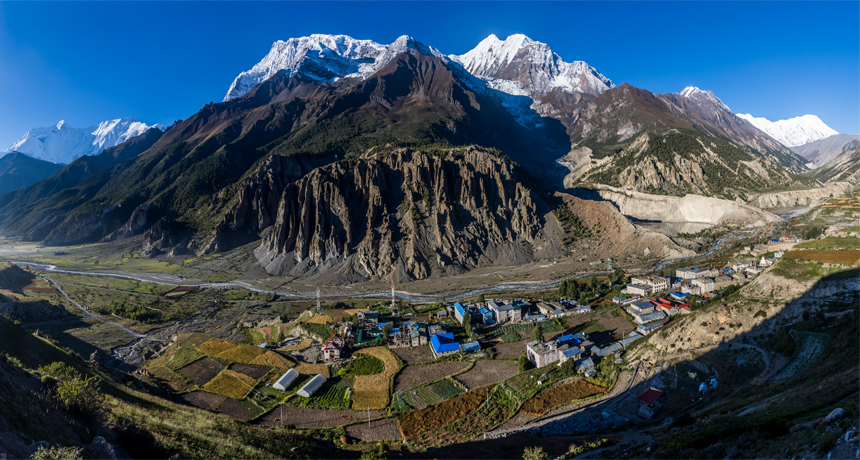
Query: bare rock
point(834, 415)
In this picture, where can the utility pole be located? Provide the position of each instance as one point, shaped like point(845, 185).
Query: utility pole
point(319, 308)
point(392, 292)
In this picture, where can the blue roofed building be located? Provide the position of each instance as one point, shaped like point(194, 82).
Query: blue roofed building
point(459, 312)
point(444, 344)
point(471, 346)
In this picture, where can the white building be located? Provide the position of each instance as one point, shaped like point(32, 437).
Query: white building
point(311, 387)
point(286, 380)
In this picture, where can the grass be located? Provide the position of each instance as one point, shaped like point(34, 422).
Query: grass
point(367, 365)
point(833, 257)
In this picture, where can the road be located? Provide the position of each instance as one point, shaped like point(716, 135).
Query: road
point(714, 249)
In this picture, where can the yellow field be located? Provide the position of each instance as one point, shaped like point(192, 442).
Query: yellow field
point(301, 346)
point(215, 346)
point(230, 384)
point(355, 311)
point(370, 391)
point(313, 369)
point(273, 359)
point(373, 390)
point(244, 354)
point(320, 319)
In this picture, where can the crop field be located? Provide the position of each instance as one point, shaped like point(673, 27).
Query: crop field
point(509, 350)
point(215, 346)
point(811, 346)
point(192, 340)
point(334, 396)
point(320, 330)
point(300, 346)
point(419, 398)
point(833, 257)
point(241, 353)
point(526, 382)
point(373, 390)
point(174, 382)
point(203, 370)
point(488, 415)
point(232, 408)
point(230, 384)
point(303, 417)
point(413, 355)
point(510, 337)
point(485, 373)
point(549, 399)
point(201, 400)
point(378, 430)
point(274, 359)
point(320, 319)
point(831, 242)
point(313, 369)
point(412, 376)
point(180, 358)
point(255, 372)
point(251, 409)
point(430, 418)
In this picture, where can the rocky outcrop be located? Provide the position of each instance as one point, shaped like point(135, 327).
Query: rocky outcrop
point(406, 213)
point(164, 237)
point(85, 227)
point(808, 197)
point(134, 225)
point(690, 208)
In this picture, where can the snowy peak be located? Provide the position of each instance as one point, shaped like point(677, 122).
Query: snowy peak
point(696, 94)
point(62, 143)
point(794, 131)
point(325, 58)
point(532, 64)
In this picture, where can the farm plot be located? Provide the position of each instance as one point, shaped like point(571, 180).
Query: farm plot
point(233, 409)
point(421, 397)
point(303, 417)
point(230, 384)
point(549, 399)
point(300, 346)
point(273, 359)
point(811, 346)
point(487, 373)
point(201, 400)
point(192, 340)
point(511, 350)
point(320, 319)
point(430, 418)
point(203, 370)
point(489, 414)
point(241, 353)
point(378, 430)
point(414, 355)
point(215, 346)
point(320, 330)
point(373, 390)
point(510, 337)
point(255, 372)
point(411, 376)
point(174, 382)
point(833, 257)
point(334, 396)
point(313, 369)
point(180, 357)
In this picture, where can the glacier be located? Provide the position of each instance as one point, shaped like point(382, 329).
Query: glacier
point(792, 132)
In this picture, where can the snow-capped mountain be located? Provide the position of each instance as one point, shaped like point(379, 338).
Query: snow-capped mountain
point(794, 131)
point(324, 58)
point(533, 65)
point(62, 143)
point(697, 95)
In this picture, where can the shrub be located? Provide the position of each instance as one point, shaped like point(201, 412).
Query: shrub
point(53, 453)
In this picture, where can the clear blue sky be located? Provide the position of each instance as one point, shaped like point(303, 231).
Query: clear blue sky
point(161, 61)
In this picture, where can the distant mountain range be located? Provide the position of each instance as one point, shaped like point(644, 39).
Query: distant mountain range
point(62, 143)
point(822, 151)
point(793, 132)
point(426, 140)
point(18, 171)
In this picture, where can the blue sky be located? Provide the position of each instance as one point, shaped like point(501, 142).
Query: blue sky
point(162, 61)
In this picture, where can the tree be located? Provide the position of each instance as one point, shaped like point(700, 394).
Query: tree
point(537, 331)
point(583, 298)
point(481, 298)
point(80, 394)
point(523, 363)
point(387, 329)
point(467, 324)
point(593, 283)
point(534, 453)
point(619, 275)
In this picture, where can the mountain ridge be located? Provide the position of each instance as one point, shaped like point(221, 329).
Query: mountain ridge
point(792, 132)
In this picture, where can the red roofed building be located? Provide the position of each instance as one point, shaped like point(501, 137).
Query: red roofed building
point(333, 349)
point(648, 405)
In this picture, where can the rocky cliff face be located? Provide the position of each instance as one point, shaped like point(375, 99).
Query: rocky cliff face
point(406, 213)
point(806, 197)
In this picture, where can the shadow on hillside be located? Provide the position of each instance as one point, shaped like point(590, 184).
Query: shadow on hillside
point(817, 382)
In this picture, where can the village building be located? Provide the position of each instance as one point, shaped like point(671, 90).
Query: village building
point(286, 380)
point(600, 352)
point(692, 273)
point(640, 308)
point(638, 289)
point(648, 405)
point(563, 348)
point(506, 312)
point(444, 345)
point(312, 386)
point(691, 289)
point(333, 349)
point(646, 329)
point(657, 283)
point(705, 284)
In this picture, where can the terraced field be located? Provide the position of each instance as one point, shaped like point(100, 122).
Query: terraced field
point(421, 397)
point(412, 376)
point(372, 391)
point(485, 373)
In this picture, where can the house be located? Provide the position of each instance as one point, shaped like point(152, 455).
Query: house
point(723, 281)
point(638, 289)
point(542, 353)
point(692, 273)
point(544, 308)
point(573, 353)
point(418, 337)
point(739, 276)
point(678, 295)
point(584, 364)
point(534, 318)
point(632, 337)
point(444, 344)
point(597, 351)
point(507, 312)
point(471, 346)
point(648, 405)
point(640, 308)
point(371, 317)
point(705, 284)
point(657, 283)
point(487, 316)
point(619, 300)
point(646, 329)
point(753, 271)
point(442, 314)
point(691, 289)
point(333, 349)
point(459, 312)
point(582, 309)
point(436, 329)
